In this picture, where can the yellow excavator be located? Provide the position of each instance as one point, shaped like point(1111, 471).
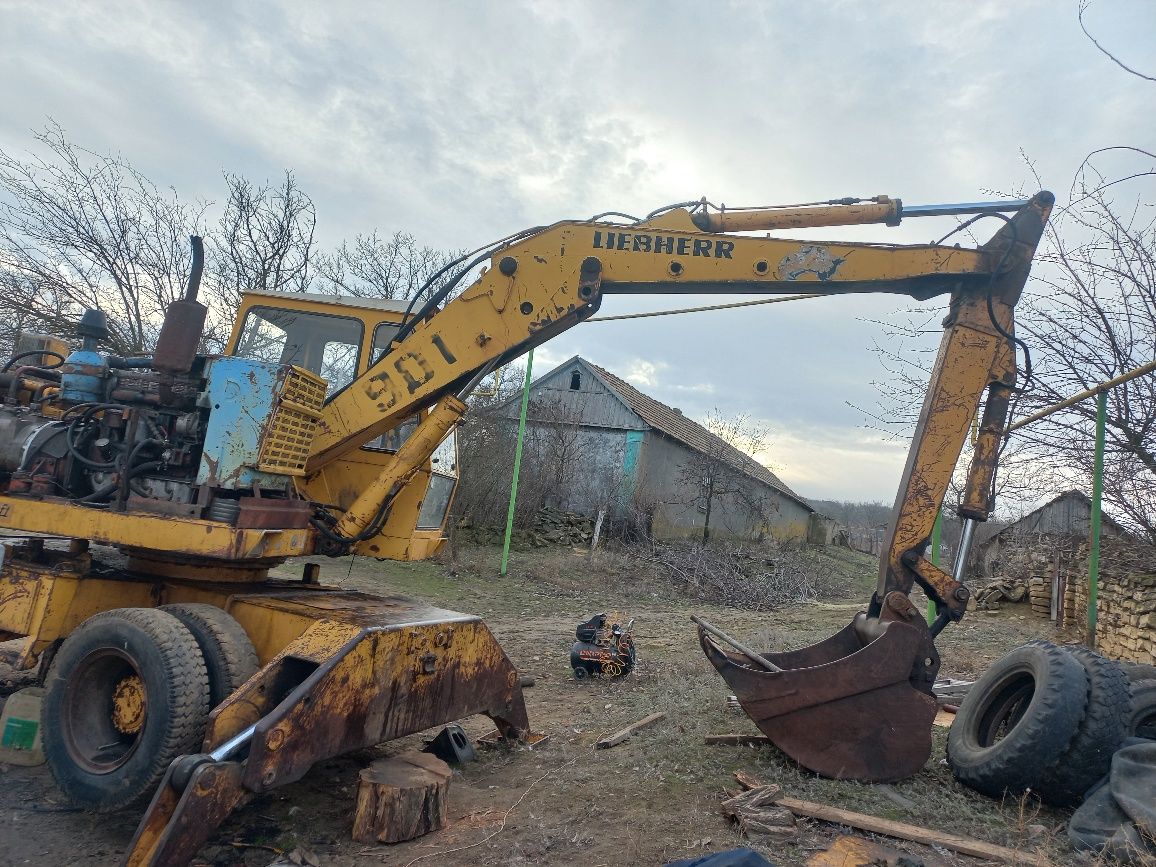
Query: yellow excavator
point(145, 500)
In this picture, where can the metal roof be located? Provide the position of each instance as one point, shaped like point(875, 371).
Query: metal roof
point(389, 305)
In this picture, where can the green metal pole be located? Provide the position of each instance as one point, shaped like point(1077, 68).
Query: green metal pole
point(517, 463)
point(936, 535)
point(1097, 495)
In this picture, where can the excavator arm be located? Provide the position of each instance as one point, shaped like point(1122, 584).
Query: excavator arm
point(858, 705)
point(544, 283)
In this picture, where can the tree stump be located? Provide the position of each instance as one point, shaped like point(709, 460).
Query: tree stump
point(400, 798)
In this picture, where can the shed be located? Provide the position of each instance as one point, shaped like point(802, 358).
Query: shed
point(1056, 528)
point(637, 453)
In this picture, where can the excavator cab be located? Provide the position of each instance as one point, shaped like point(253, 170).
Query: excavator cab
point(338, 338)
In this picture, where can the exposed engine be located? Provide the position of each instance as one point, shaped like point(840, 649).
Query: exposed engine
point(174, 433)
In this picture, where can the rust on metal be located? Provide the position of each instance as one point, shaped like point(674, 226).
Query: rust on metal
point(977, 496)
point(180, 819)
point(847, 707)
point(363, 671)
point(265, 513)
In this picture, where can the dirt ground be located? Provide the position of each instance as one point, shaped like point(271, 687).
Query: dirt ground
point(650, 800)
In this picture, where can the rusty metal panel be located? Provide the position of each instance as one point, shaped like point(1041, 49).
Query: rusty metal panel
point(365, 671)
point(847, 707)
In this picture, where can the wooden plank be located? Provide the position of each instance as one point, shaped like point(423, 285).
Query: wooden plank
point(618, 737)
point(737, 740)
point(746, 781)
point(927, 836)
point(944, 718)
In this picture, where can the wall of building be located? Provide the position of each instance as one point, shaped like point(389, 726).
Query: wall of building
point(678, 512)
point(593, 474)
point(590, 405)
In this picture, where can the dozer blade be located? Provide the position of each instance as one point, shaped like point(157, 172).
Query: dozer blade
point(364, 671)
point(845, 707)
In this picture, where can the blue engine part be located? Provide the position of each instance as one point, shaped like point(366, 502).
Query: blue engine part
point(84, 372)
point(242, 395)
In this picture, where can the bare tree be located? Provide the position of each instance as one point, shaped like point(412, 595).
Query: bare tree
point(1084, 6)
point(265, 237)
point(80, 229)
point(1096, 320)
point(486, 452)
point(376, 267)
point(719, 471)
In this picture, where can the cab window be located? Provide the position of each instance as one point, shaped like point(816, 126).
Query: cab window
point(442, 481)
point(327, 345)
point(391, 441)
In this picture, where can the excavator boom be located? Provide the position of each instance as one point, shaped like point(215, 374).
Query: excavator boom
point(205, 471)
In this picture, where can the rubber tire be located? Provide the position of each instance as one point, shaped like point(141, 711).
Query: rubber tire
point(1139, 671)
point(229, 655)
point(1043, 731)
point(169, 663)
point(1141, 722)
point(1103, 728)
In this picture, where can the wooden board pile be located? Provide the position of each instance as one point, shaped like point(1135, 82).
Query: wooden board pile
point(1126, 614)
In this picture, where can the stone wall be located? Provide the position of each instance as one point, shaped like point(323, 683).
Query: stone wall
point(1126, 613)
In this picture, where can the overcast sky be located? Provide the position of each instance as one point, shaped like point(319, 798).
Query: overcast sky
point(461, 122)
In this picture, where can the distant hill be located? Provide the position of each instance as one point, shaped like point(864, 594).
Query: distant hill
point(864, 515)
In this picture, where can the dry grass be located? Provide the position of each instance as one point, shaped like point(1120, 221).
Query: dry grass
point(652, 799)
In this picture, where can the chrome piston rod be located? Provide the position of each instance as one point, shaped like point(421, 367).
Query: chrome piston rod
point(947, 210)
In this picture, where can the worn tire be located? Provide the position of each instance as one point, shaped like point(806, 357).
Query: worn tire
point(1015, 720)
point(1141, 721)
point(229, 655)
point(1139, 671)
point(127, 693)
point(1103, 728)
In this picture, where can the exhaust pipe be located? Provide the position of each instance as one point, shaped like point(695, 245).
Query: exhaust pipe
point(184, 324)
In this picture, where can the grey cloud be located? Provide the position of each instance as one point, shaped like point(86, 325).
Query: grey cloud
point(463, 121)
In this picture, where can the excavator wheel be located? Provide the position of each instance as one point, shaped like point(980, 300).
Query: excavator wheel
point(127, 693)
point(229, 655)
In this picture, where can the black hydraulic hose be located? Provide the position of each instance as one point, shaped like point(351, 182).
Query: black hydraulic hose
point(408, 323)
point(100, 493)
point(74, 449)
point(70, 435)
point(8, 364)
point(143, 444)
point(110, 488)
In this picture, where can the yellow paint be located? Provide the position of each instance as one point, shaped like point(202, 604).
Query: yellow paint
point(500, 313)
point(128, 705)
point(151, 532)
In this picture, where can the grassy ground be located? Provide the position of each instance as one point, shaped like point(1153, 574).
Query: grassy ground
point(650, 800)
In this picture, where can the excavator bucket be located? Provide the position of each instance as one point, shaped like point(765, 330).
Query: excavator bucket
point(847, 707)
point(366, 669)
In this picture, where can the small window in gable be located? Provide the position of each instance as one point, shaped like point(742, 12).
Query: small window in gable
point(575, 381)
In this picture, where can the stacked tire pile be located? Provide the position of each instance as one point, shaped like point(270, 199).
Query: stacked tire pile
point(1048, 719)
